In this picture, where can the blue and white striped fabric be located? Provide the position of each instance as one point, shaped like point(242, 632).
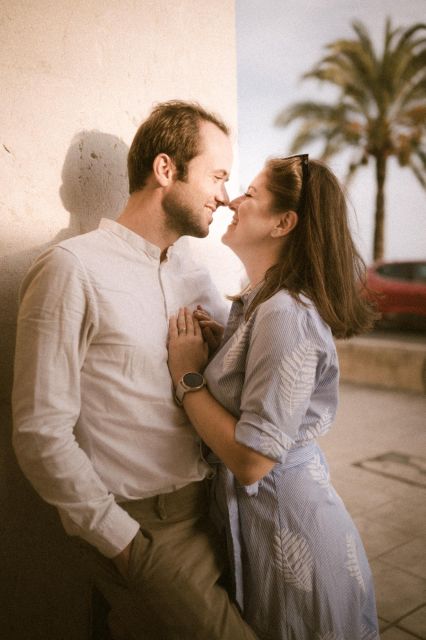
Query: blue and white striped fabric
point(300, 569)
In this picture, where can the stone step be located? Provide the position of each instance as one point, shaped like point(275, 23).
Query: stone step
point(378, 362)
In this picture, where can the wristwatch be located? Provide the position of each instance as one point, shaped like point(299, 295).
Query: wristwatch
point(192, 381)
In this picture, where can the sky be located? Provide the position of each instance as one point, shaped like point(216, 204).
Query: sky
point(278, 41)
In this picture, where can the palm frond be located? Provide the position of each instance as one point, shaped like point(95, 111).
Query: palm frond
point(413, 116)
point(341, 75)
point(405, 60)
point(346, 59)
point(303, 138)
point(381, 107)
point(413, 92)
point(354, 165)
point(419, 172)
point(410, 65)
point(310, 110)
point(364, 39)
point(408, 33)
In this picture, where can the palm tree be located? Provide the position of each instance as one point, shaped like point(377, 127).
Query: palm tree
point(380, 111)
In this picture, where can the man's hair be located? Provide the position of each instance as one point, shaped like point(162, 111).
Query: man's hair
point(171, 128)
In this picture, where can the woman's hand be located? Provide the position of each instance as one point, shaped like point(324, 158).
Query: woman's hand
point(212, 330)
point(187, 349)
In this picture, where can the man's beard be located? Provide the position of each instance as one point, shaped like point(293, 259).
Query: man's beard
point(181, 219)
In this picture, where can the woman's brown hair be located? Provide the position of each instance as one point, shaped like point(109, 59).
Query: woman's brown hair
point(319, 258)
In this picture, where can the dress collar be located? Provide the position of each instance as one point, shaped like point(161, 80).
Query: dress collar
point(249, 294)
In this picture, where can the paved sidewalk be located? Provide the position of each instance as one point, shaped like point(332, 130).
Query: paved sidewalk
point(385, 432)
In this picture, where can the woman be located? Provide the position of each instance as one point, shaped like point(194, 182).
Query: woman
point(272, 390)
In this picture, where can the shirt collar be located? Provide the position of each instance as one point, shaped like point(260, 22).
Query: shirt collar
point(135, 240)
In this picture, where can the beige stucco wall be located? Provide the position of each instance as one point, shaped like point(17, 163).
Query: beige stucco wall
point(76, 79)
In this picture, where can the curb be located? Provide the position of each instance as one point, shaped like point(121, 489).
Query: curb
point(390, 364)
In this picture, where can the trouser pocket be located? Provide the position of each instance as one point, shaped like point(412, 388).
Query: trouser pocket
point(140, 552)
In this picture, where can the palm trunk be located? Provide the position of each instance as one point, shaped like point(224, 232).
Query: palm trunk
point(379, 226)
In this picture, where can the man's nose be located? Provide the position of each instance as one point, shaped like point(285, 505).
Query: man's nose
point(222, 198)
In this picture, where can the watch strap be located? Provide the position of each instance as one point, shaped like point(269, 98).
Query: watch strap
point(182, 388)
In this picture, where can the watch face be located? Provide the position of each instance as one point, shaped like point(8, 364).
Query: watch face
point(193, 379)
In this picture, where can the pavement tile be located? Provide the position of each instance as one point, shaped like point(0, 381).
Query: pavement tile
point(383, 624)
point(410, 556)
point(379, 537)
point(403, 490)
point(357, 491)
point(399, 466)
point(397, 634)
point(372, 422)
point(415, 622)
point(407, 514)
point(389, 513)
point(397, 592)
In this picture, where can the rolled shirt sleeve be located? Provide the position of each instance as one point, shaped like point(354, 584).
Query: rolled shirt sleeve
point(280, 376)
point(56, 320)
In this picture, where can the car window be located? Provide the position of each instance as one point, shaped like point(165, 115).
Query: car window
point(398, 271)
point(408, 271)
point(419, 272)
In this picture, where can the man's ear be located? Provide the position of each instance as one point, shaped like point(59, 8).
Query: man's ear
point(285, 223)
point(163, 169)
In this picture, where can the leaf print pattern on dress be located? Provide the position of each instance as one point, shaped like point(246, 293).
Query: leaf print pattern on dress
point(319, 472)
point(319, 428)
point(271, 448)
point(293, 559)
point(297, 373)
point(368, 634)
point(352, 563)
point(237, 349)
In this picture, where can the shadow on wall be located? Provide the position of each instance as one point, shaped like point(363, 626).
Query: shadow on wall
point(94, 185)
point(45, 591)
point(94, 180)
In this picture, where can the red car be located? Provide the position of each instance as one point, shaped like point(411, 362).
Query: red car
point(402, 291)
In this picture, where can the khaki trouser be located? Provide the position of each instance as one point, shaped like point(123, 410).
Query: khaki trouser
point(172, 591)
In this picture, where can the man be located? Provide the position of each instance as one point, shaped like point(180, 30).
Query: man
point(96, 429)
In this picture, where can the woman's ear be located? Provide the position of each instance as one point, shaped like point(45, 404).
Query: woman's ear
point(163, 169)
point(285, 223)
